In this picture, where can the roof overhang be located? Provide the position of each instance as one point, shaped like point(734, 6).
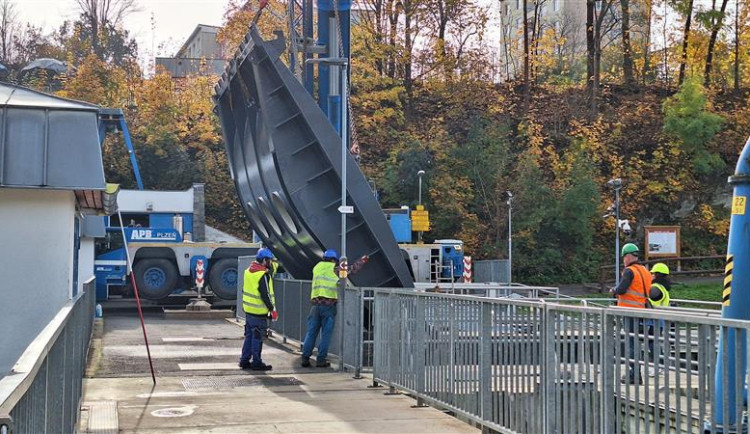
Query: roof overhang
point(48, 142)
point(98, 201)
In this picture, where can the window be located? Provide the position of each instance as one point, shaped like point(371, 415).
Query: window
point(555, 5)
point(518, 23)
point(507, 9)
point(518, 4)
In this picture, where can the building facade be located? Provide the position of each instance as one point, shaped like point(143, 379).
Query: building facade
point(201, 54)
point(51, 191)
point(563, 24)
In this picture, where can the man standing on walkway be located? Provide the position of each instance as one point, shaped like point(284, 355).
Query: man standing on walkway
point(258, 302)
point(633, 292)
point(322, 318)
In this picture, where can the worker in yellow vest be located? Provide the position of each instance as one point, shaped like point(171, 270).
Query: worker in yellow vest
point(322, 317)
point(259, 303)
point(660, 285)
point(659, 296)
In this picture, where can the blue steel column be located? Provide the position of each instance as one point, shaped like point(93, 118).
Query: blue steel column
point(307, 35)
point(736, 293)
point(325, 13)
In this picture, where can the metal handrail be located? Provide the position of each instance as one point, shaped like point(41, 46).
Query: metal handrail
point(19, 380)
point(38, 372)
point(484, 355)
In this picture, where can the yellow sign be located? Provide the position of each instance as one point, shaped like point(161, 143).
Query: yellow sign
point(420, 220)
point(738, 205)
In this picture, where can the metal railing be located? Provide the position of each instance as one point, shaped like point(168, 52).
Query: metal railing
point(541, 367)
point(490, 270)
point(42, 392)
point(696, 266)
point(354, 318)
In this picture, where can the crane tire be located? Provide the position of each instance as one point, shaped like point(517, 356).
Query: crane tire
point(222, 278)
point(156, 278)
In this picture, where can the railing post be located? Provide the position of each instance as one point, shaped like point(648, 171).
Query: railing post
point(419, 340)
point(284, 310)
point(548, 376)
point(342, 320)
point(358, 340)
point(391, 322)
point(485, 361)
point(607, 363)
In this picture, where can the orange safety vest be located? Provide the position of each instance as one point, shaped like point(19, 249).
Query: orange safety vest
point(637, 293)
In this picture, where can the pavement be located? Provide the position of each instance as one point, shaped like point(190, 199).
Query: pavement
point(199, 387)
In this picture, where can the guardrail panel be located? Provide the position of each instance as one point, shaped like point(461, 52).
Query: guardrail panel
point(522, 366)
point(46, 382)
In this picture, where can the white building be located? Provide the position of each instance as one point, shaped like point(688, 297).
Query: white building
point(200, 54)
point(565, 21)
point(51, 189)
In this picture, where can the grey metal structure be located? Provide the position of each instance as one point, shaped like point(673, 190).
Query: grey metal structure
point(530, 366)
point(284, 157)
point(535, 367)
point(48, 142)
point(43, 392)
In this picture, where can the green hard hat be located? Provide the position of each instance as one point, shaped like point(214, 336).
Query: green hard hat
point(628, 249)
point(660, 268)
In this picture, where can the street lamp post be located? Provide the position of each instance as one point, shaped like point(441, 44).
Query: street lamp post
point(510, 238)
point(420, 174)
point(616, 185)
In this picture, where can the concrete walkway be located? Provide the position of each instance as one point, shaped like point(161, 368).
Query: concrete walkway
point(200, 389)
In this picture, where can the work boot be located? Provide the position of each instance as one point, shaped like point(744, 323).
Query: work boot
point(305, 363)
point(261, 367)
point(322, 364)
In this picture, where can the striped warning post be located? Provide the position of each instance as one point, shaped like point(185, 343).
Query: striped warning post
point(467, 269)
point(199, 280)
point(727, 280)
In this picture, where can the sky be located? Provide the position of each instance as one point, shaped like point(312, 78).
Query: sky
point(174, 20)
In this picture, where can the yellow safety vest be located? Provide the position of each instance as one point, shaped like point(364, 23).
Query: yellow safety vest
point(664, 296)
point(325, 281)
point(251, 301)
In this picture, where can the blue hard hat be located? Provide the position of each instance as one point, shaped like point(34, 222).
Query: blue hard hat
point(263, 253)
point(330, 254)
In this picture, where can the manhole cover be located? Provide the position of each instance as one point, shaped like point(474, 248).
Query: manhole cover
point(221, 383)
point(174, 411)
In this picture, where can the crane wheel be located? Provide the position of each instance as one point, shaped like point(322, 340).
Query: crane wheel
point(223, 278)
point(155, 278)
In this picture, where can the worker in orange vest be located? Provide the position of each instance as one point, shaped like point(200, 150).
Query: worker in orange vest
point(632, 292)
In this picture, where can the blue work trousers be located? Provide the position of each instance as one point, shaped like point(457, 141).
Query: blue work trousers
point(255, 332)
point(321, 319)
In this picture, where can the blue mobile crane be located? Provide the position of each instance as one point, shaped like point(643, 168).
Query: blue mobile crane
point(165, 233)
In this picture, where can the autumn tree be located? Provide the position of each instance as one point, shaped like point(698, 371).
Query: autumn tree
point(9, 25)
point(685, 7)
point(100, 27)
point(713, 19)
point(627, 52)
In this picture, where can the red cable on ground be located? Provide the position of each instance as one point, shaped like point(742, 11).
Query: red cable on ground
point(137, 297)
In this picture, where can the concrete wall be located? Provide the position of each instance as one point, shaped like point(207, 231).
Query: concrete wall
point(36, 264)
